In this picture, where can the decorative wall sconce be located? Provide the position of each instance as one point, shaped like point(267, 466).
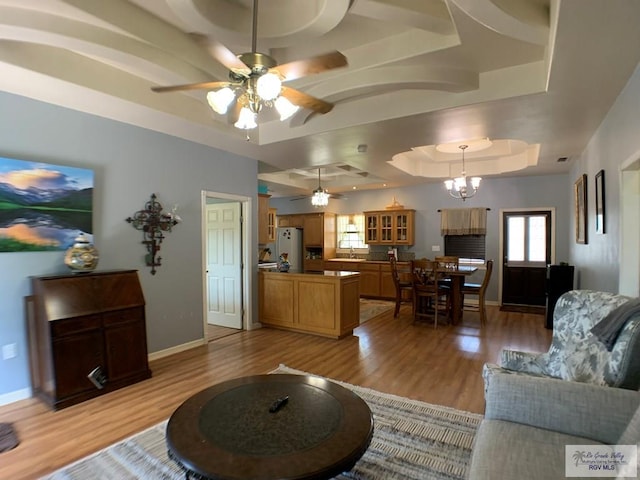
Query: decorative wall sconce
point(153, 222)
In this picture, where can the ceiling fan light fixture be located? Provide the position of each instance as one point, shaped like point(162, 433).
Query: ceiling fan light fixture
point(269, 86)
point(320, 198)
point(220, 100)
point(285, 108)
point(246, 119)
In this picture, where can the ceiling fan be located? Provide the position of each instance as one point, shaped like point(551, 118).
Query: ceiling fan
point(320, 196)
point(255, 80)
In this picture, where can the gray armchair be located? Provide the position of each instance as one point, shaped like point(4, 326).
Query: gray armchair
point(575, 353)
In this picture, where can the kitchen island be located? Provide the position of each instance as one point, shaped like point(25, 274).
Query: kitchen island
point(324, 303)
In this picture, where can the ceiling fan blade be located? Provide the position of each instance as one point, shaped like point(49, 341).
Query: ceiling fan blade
point(306, 101)
point(309, 66)
point(302, 197)
point(221, 53)
point(192, 86)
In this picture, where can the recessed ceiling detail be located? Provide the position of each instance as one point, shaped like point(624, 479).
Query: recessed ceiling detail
point(484, 157)
point(338, 176)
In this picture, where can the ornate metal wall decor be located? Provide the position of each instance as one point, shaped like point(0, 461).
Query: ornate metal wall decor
point(153, 222)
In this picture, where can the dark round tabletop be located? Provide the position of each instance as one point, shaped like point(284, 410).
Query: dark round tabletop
point(245, 429)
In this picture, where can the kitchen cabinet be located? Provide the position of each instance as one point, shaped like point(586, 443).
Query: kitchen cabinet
point(290, 221)
point(318, 236)
point(271, 225)
point(387, 286)
point(376, 280)
point(313, 228)
point(319, 239)
point(87, 335)
point(389, 227)
point(345, 266)
point(263, 218)
point(369, 279)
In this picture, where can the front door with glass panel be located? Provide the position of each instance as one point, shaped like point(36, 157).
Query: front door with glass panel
point(527, 252)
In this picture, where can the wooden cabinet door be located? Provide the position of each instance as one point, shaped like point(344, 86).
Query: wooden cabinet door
point(372, 228)
point(284, 221)
point(313, 229)
point(370, 280)
point(74, 357)
point(387, 229)
point(403, 228)
point(387, 286)
point(263, 221)
point(125, 343)
point(125, 357)
point(313, 265)
point(271, 225)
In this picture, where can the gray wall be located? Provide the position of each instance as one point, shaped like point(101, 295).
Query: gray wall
point(494, 193)
point(616, 141)
point(129, 163)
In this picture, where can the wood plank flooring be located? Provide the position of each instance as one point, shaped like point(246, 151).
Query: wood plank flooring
point(440, 366)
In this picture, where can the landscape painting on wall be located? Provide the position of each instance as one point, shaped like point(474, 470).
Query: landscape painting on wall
point(42, 206)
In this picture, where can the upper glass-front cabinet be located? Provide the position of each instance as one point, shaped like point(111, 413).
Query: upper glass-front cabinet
point(386, 227)
point(372, 231)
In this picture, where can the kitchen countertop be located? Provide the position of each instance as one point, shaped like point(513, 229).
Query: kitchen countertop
point(361, 260)
point(325, 273)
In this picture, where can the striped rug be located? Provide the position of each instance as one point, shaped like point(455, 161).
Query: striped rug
point(411, 440)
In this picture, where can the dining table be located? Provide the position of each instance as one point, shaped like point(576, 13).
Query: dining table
point(457, 276)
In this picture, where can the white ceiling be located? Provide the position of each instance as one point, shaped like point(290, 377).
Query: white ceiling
point(541, 74)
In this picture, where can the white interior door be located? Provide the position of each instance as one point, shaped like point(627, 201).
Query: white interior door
point(224, 266)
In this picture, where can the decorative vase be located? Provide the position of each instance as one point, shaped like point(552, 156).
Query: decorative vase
point(283, 265)
point(82, 256)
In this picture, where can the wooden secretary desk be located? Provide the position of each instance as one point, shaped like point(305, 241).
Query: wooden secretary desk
point(87, 335)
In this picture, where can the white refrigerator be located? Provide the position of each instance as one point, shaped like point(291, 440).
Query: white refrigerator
point(289, 240)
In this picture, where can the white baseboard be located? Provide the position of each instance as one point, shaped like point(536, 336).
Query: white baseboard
point(11, 397)
point(178, 348)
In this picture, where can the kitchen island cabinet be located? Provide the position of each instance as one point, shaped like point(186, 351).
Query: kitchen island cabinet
point(325, 303)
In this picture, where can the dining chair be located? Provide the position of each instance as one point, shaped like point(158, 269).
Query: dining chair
point(447, 261)
point(427, 290)
point(404, 286)
point(478, 289)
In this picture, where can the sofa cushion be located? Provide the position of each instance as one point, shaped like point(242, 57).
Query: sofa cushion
point(507, 450)
point(631, 435)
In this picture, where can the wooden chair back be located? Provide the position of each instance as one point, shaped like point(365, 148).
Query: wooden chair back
point(448, 262)
point(487, 276)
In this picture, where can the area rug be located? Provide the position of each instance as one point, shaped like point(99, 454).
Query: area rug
point(372, 308)
point(8, 437)
point(412, 440)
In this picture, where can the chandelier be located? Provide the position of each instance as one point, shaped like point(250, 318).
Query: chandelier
point(254, 93)
point(320, 197)
point(459, 187)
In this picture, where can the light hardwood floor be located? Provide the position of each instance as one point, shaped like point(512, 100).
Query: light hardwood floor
point(440, 366)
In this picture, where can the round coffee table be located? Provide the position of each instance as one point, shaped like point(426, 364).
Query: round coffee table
point(270, 427)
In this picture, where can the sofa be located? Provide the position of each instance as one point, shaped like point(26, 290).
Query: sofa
point(577, 353)
point(529, 420)
point(583, 391)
